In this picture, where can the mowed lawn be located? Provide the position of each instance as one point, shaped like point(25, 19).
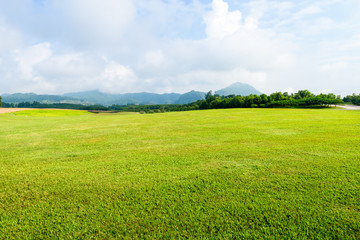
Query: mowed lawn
point(220, 174)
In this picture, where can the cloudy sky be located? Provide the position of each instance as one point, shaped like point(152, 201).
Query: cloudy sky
point(118, 46)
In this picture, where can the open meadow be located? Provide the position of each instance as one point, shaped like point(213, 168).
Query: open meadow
point(235, 173)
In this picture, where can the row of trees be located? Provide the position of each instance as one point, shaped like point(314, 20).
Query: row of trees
point(301, 99)
point(354, 99)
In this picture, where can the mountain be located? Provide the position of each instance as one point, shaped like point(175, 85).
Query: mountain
point(151, 98)
point(190, 97)
point(242, 89)
point(31, 97)
point(107, 99)
point(94, 97)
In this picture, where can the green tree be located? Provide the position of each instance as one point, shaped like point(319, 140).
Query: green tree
point(209, 97)
point(286, 95)
point(204, 105)
point(278, 96)
point(303, 94)
point(264, 98)
point(249, 100)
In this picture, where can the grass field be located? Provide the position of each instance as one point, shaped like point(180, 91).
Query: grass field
point(239, 173)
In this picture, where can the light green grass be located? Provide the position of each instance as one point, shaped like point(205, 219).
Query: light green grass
point(220, 174)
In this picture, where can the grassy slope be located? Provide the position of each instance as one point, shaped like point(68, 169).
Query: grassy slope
point(249, 173)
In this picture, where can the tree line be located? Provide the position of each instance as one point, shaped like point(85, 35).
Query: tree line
point(301, 99)
point(354, 99)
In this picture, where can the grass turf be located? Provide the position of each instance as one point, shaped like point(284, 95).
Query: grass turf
point(238, 173)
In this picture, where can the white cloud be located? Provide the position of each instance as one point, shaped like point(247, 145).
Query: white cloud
point(31, 56)
point(39, 69)
point(220, 22)
point(107, 18)
point(320, 25)
point(333, 67)
point(351, 44)
point(238, 53)
point(309, 10)
point(10, 37)
point(153, 62)
point(69, 65)
point(177, 46)
point(117, 78)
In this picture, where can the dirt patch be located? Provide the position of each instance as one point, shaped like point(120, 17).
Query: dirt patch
point(9, 110)
point(350, 107)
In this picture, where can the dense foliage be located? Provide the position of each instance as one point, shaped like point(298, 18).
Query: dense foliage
point(354, 99)
point(155, 108)
point(302, 98)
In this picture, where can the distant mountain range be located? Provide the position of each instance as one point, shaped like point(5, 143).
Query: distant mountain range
point(97, 97)
point(31, 97)
point(107, 99)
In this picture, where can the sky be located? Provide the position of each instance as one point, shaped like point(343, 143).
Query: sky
point(162, 46)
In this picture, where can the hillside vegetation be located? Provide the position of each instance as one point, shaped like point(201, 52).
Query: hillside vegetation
point(301, 99)
point(235, 173)
point(97, 97)
point(31, 97)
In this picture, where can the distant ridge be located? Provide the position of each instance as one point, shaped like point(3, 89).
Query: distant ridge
point(107, 99)
point(190, 97)
point(242, 89)
point(31, 97)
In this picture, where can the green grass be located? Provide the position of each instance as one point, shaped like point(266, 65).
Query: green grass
point(218, 174)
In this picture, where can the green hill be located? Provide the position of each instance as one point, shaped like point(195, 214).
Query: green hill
point(97, 97)
point(190, 97)
point(31, 97)
point(107, 99)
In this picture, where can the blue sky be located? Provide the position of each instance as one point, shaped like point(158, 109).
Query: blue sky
point(57, 46)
